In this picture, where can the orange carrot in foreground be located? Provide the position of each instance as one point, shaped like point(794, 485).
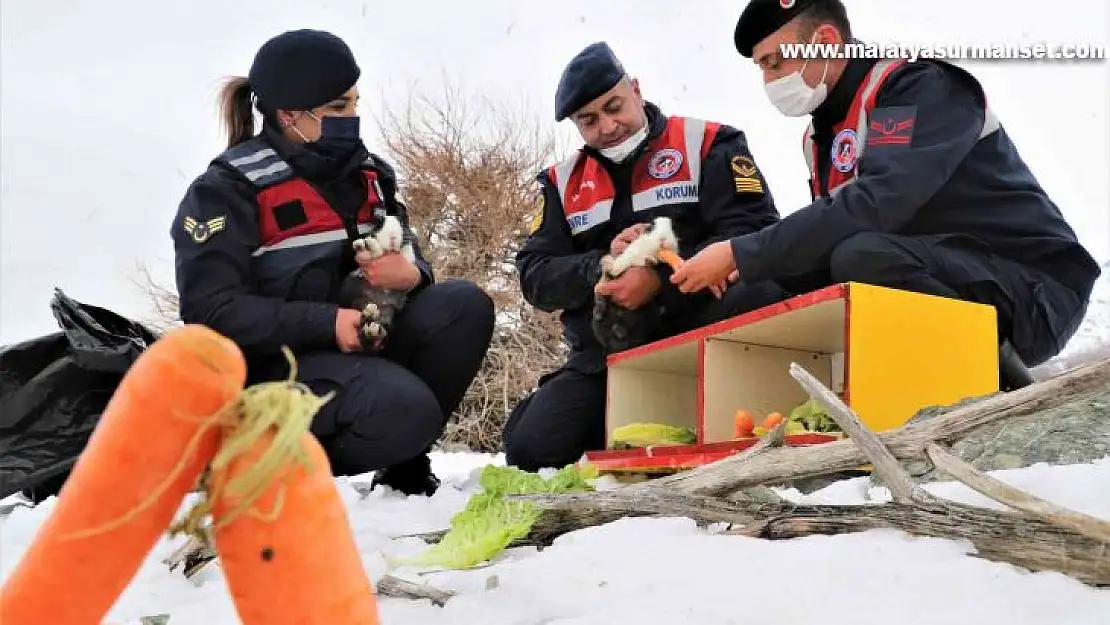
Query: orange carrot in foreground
point(279, 526)
point(152, 442)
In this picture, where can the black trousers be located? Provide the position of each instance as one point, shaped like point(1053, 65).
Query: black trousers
point(1036, 314)
point(565, 416)
point(392, 408)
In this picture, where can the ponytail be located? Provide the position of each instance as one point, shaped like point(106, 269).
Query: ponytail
point(236, 110)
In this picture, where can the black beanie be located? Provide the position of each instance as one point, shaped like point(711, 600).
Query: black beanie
point(301, 70)
point(591, 73)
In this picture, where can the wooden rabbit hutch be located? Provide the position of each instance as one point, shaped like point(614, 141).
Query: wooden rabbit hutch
point(887, 353)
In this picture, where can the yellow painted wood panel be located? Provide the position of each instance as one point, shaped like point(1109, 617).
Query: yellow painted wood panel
point(910, 350)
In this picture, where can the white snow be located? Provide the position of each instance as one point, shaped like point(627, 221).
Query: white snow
point(1095, 329)
point(669, 571)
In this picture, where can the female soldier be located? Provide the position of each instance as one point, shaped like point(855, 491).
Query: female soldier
point(264, 237)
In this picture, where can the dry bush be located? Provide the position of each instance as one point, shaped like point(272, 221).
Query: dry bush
point(163, 300)
point(468, 180)
point(469, 183)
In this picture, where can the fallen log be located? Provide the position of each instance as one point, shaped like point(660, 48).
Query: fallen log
point(1050, 539)
point(783, 465)
point(997, 536)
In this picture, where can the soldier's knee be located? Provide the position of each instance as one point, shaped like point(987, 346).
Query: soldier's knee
point(527, 450)
point(458, 306)
point(527, 446)
point(474, 304)
point(865, 257)
point(394, 421)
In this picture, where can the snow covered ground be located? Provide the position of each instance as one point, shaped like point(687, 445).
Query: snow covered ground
point(668, 571)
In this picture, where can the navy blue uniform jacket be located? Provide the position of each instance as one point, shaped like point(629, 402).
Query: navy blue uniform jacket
point(558, 271)
point(220, 280)
point(943, 182)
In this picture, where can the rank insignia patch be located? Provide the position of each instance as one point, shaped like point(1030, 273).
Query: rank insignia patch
point(892, 126)
point(537, 219)
point(746, 175)
point(201, 231)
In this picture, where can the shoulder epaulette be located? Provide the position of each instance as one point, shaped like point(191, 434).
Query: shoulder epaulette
point(256, 161)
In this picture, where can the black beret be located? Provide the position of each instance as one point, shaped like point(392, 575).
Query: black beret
point(763, 17)
point(302, 69)
point(592, 72)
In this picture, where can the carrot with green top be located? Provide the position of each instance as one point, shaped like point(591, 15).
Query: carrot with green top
point(156, 434)
point(279, 526)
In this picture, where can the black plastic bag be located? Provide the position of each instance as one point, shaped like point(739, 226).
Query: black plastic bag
point(54, 388)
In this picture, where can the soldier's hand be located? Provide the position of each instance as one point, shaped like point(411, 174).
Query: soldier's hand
point(389, 271)
point(628, 235)
point(720, 288)
point(707, 268)
point(346, 330)
point(633, 288)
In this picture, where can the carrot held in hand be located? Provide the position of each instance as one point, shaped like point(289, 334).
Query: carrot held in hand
point(668, 256)
point(279, 526)
point(155, 436)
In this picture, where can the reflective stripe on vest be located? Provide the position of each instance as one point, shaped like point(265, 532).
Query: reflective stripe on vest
point(864, 103)
point(262, 167)
point(667, 173)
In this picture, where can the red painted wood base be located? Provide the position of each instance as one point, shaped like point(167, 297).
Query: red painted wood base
point(681, 457)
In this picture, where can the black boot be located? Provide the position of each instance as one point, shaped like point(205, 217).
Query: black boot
point(1012, 372)
point(411, 477)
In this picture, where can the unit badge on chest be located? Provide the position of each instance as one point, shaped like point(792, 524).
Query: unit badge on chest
point(845, 150)
point(665, 163)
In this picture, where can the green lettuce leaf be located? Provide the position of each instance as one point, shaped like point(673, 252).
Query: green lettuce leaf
point(489, 523)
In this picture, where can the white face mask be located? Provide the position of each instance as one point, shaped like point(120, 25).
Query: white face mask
point(793, 97)
point(618, 153)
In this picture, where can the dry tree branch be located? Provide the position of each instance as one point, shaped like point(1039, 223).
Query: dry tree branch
point(1017, 499)
point(1048, 539)
point(887, 468)
point(782, 465)
point(390, 586)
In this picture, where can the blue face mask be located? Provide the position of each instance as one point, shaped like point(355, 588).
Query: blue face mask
point(339, 138)
point(334, 127)
point(339, 134)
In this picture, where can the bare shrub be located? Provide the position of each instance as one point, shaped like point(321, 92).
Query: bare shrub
point(163, 300)
point(468, 180)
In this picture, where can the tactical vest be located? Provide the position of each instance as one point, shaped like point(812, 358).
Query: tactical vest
point(850, 135)
point(670, 177)
point(304, 245)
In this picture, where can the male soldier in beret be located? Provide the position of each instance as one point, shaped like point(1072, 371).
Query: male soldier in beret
point(637, 164)
point(915, 185)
